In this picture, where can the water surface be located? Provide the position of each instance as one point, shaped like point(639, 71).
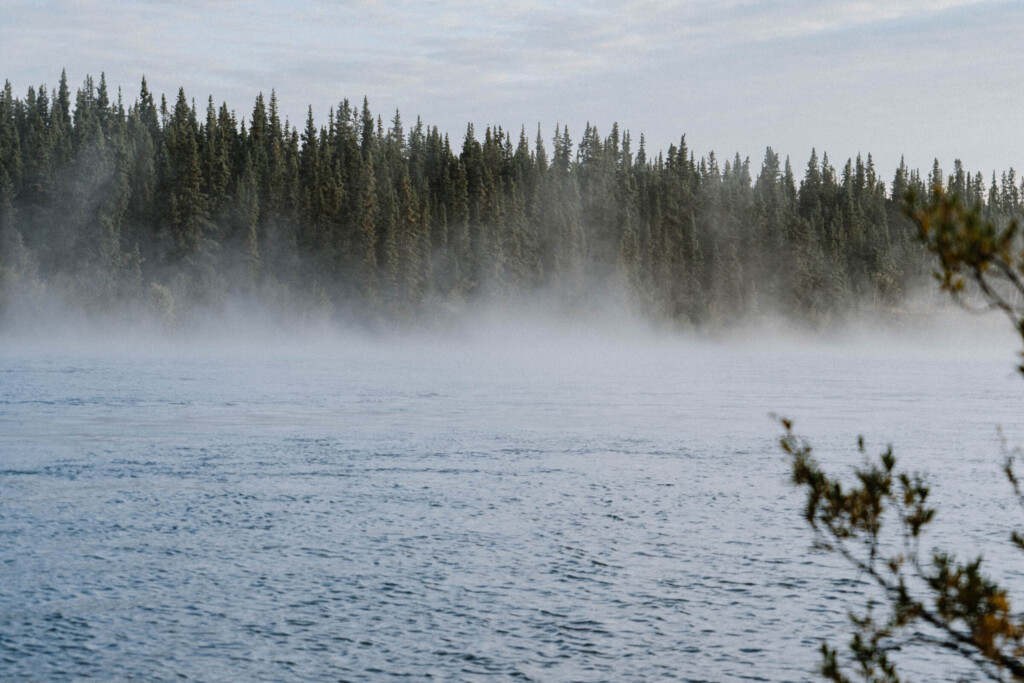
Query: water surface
point(562, 508)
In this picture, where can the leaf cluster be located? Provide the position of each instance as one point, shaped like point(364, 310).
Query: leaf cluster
point(876, 524)
point(972, 250)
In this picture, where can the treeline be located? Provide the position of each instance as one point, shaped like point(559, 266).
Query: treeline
point(168, 206)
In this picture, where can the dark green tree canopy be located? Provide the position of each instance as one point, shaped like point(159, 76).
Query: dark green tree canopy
point(390, 218)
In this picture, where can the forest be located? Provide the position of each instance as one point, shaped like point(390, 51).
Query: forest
point(167, 207)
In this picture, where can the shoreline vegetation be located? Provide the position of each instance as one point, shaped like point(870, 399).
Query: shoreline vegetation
point(165, 208)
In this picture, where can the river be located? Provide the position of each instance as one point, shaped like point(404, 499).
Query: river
point(537, 506)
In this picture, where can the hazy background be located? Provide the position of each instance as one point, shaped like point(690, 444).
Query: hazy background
point(922, 78)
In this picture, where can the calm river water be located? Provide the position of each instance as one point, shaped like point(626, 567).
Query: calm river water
point(542, 507)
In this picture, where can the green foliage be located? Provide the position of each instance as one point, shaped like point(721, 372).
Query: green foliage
point(972, 251)
point(392, 220)
point(877, 523)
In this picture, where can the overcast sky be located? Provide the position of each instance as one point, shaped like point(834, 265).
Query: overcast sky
point(922, 78)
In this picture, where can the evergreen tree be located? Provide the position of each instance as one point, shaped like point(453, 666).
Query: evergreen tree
point(113, 200)
point(183, 179)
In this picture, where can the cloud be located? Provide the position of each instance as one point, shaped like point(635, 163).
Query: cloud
point(732, 73)
point(488, 42)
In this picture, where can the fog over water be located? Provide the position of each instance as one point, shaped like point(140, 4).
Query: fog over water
point(524, 496)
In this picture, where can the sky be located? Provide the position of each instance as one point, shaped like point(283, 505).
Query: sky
point(923, 79)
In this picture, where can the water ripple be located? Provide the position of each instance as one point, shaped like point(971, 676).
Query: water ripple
point(334, 521)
